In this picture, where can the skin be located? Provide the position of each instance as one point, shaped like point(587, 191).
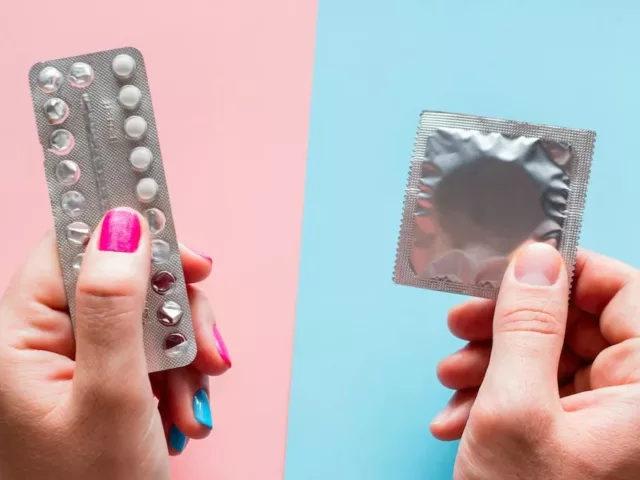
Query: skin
point(548, 388)
point(86, 407)
point(543, 390)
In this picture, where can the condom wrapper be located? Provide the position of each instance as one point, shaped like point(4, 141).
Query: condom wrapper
point(98, 132)
point(481, 188)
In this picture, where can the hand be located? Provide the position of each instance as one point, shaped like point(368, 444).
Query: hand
point(548, 389)
point(84, 408)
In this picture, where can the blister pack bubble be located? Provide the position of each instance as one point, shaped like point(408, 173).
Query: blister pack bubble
point(98, 132)
point(480, 189)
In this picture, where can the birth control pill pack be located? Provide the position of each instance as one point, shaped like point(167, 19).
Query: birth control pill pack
point(482, 188)
point(98, 132)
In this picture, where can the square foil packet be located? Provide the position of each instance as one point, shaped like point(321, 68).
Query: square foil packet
point(481, 188)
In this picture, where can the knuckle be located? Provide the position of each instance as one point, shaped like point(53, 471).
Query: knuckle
point(96, 284)
point(106, 319)
point(119, 397)
point(523, 422)
point(617, 365)
point(532, 319)
point(96, 298)
point(100, 308)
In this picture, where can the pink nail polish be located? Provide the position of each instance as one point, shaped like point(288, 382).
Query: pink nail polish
point(203, 255)
point(120, 232)
point(222, 348)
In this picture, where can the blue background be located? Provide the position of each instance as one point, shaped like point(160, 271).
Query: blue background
point(364, 387)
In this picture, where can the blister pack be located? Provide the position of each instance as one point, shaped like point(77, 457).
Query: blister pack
point(98, 132)
point(481, 188)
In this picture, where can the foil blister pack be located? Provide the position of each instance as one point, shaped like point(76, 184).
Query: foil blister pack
point(481, 188)
point(98, 132)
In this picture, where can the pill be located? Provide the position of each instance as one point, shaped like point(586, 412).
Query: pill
point(163, 282)
point(50, 79)
point(135, 127)
point(55, 110)
point(61, 142)
point(129, 97)
point(160, 252)
point(123, 66)
point(156, 220)
point(67, 173)
point(146, 190)
point(78, 233)
point(77, 261)
point(73, 203)
point(175, 345)
point(81, 75)
point(169, 314)
point(140, 159)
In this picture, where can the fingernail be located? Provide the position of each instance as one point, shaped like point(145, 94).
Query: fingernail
point(222, 348)
point(120, 232)
point(538, 265)
point(177, 439)
point(202, 409)
point(203, 255)
point(443, 416)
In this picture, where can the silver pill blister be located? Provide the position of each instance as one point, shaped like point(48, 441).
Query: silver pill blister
point(97, 129)
point(49, 79)
point(56, 111)
point(482, 188)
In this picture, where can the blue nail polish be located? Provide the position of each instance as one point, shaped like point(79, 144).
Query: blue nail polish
point(177, 439)
point(202, 409)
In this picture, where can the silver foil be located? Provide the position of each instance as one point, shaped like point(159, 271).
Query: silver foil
point(481, 188)
point(107, 180)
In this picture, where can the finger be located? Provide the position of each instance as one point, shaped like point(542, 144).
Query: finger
point(468, 367)
point(615, 366)
point(40, 278)
point(465, 368)
point(212, 357)
point(158, 384)
point(110, 300)
point(450, 423)
point(529, 327)
point(36, 292)
point(473, 320)
point(569, 364)
point(597, 280)
point(196, 265)
point(582, 380)
point(583, 334)
point(188, 393)
point(620, 319)
point(611, 398)
point(176, 440)
point(36, 296)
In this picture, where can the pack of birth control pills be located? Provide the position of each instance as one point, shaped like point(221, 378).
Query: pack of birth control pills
point(98, 132)
point(481, 188)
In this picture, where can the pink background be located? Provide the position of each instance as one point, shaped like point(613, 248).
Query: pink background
point(234, 144)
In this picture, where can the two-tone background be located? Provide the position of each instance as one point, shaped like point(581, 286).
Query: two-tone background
point(287, 128)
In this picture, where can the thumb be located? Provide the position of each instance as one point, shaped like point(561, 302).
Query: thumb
point(528, 330)
point(109, 305)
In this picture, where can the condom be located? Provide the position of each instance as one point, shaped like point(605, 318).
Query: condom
point(480, 189)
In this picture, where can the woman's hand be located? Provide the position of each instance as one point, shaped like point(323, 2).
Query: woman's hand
point(84, 408)
point(546, 389)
